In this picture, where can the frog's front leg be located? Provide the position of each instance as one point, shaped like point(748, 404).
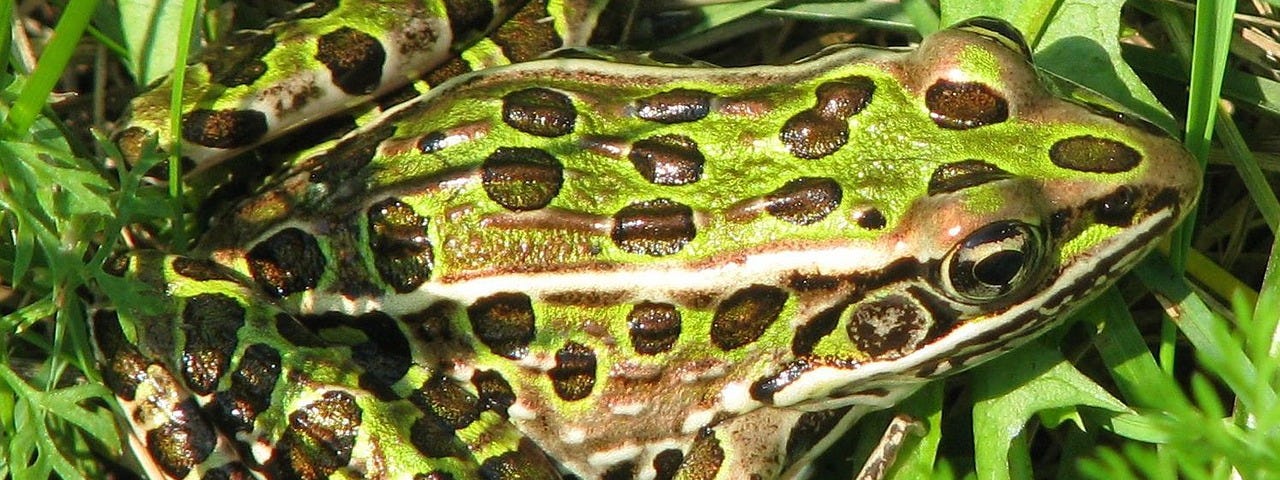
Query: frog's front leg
point(217, 380)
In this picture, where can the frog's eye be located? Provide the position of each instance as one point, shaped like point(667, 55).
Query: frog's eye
point(992, 262)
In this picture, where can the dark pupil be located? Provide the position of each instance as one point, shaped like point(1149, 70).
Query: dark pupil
point(999, 268)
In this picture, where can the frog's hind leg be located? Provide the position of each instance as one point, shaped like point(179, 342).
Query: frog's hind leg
point(216, 379)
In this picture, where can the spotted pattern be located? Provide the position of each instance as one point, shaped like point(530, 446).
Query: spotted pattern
point(574, 375)
point(402, 253)
point(354, 59)
point(209, 323)
point(238, 59)
point(804, 201)
point(654, 327)
point(1088, 153)
point(539, 111)
point(654, 227)
point(744, 316)
point(821, 130)
point(252, 386)
point(224, 128)
point(521, 178)
point(446, 408)
point(888, 327)
point(675, 106)
point(667, 160)
point(320, 436)
point(288, 262)
point(956, 176)
point(504, 322)
point(965, 105)
point(178, 446)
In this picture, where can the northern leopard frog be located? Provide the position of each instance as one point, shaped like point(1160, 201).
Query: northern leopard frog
point(618, 270)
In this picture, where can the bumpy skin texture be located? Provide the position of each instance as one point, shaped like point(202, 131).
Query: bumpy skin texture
point(637, 270)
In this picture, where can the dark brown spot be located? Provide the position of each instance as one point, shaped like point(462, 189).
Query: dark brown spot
point(123, 367)
point(398, 240)
point(574, 375)
point(539, 111)
point(117, 265)
point(520, 178)
point(286, 263)
point(239, 61)
point(435, 439)
point(320, 436)
point(808, 134)
point(668, 160)
point(252, 386)
point(224, 128)
point(956, 176)
point(872, 219)
point(527, 461)
point(1088, 153)
point(888, 327)
point(494, 391)
point(504, 322)
point(804, 201)
point(210, 322)
point(655, 227)
point(675, 106)
point(1116, 208)
point(354, 59)
point(965, 105)
point(447, 401)
point(841, 99)
point(654, 327)
point(667, 463)
point(744, 316)
point(179, 445)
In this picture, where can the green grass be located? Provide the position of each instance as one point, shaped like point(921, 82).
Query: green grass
point(1171, 374)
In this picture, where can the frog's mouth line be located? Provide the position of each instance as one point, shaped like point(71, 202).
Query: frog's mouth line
point(974, 341)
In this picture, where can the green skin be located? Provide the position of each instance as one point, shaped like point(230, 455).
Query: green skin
point(739, 325)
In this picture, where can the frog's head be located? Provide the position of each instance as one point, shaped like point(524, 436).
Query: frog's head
point(1012, 209)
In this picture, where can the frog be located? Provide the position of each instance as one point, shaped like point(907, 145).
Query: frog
point(583, 266)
